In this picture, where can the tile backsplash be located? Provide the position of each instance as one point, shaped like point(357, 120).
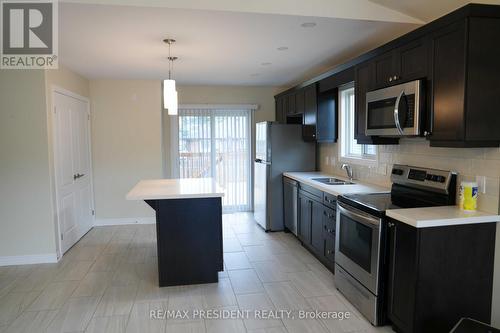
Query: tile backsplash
point(469, 163)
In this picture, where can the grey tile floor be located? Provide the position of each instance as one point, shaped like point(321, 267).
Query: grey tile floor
point(108, 283)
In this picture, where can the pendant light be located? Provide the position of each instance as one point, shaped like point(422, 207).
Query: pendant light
point(169, 89)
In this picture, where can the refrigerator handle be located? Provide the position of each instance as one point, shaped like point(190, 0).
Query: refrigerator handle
point(258, 160)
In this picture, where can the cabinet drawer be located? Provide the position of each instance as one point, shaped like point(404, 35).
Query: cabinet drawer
point(311, 191)
point(329, 222)
point(330, 249)
point(330, 200)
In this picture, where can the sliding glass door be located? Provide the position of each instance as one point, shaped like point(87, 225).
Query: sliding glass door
point(216, 143)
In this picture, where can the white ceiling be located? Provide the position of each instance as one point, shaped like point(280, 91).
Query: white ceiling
point(428, 10)
point(213, 46)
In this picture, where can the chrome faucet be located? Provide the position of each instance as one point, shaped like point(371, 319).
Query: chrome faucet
point(348, 170)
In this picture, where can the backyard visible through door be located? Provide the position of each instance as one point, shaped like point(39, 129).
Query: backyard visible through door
point(216, 143)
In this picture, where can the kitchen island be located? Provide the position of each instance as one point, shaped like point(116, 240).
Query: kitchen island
point(188, 228)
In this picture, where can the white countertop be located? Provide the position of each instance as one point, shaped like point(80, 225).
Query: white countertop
point(336, 190)
point(439, 216)
point(184, 188)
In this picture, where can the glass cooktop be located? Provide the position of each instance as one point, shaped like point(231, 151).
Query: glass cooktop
point(375, 203)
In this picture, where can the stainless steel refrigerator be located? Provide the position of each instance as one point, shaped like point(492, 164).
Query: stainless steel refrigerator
point(278, 148)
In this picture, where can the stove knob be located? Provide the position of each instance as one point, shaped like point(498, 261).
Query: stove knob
point(435, 178)
point(429, 176)
point(441, 179)
point(398, 172)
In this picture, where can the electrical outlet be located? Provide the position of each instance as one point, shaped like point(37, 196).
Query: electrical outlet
point(481, 184)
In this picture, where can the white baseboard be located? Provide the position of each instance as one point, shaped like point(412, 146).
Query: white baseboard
point(124, 221)
point(29, 259)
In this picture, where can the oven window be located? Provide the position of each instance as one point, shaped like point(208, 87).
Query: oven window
point(381, 114)
point(355, 242)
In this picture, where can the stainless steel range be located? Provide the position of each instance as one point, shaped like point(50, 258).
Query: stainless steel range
point(360, 246)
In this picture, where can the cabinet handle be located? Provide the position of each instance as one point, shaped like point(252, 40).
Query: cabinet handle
point(328, 230)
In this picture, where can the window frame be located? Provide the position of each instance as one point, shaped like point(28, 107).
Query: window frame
point(346, 140)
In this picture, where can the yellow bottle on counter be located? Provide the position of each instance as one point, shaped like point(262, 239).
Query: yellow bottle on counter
point(468, 196)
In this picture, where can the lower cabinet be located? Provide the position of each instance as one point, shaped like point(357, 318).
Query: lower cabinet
point(316, 227)
point(438, 275)
point(305, 218)
point(317, 242)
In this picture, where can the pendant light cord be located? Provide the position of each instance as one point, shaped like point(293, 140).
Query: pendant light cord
point(170, 62)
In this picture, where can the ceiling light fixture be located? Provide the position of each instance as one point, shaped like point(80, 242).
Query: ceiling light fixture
point(282, 48)
point(170, 101)
point(266, 63)
point(308, 25)
point(254, 74)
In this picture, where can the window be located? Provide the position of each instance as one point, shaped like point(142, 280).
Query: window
point(350, 149)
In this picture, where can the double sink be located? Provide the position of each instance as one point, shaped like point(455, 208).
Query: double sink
point(332, 181)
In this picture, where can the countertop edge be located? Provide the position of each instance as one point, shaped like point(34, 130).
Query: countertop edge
point(444, 221)
point(376, 188)
point(172, 197)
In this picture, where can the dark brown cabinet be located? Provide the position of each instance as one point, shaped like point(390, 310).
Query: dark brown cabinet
point(299, 101)
point(305, 218)
point(280, 110)
point(317, 239)
point(412, 60)
point(316, 225)
point(362, 84)
point(466, 84)
point(385, 70)
point(309, 119)
point(316, 112)
point(292, 105)
point(458, 60)
point(403, 64)
point(434, 279)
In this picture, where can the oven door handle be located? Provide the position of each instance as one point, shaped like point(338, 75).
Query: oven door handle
point(396, 112)
point(358, 216)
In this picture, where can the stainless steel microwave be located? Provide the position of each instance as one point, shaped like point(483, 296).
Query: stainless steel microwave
point(395, 111)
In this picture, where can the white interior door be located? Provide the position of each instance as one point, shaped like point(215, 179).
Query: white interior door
point(73, 168)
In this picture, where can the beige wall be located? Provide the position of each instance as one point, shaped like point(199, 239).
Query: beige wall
point(469, 163)
point(26, 215)
point(263, 96)
point(126, 143)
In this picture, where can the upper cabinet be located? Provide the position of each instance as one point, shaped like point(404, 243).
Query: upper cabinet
point(456, 57)
point(364, 81)
point(406, 63)
point(317, 112)
point(280, 110)
point(309, 119)
point(466, 84)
